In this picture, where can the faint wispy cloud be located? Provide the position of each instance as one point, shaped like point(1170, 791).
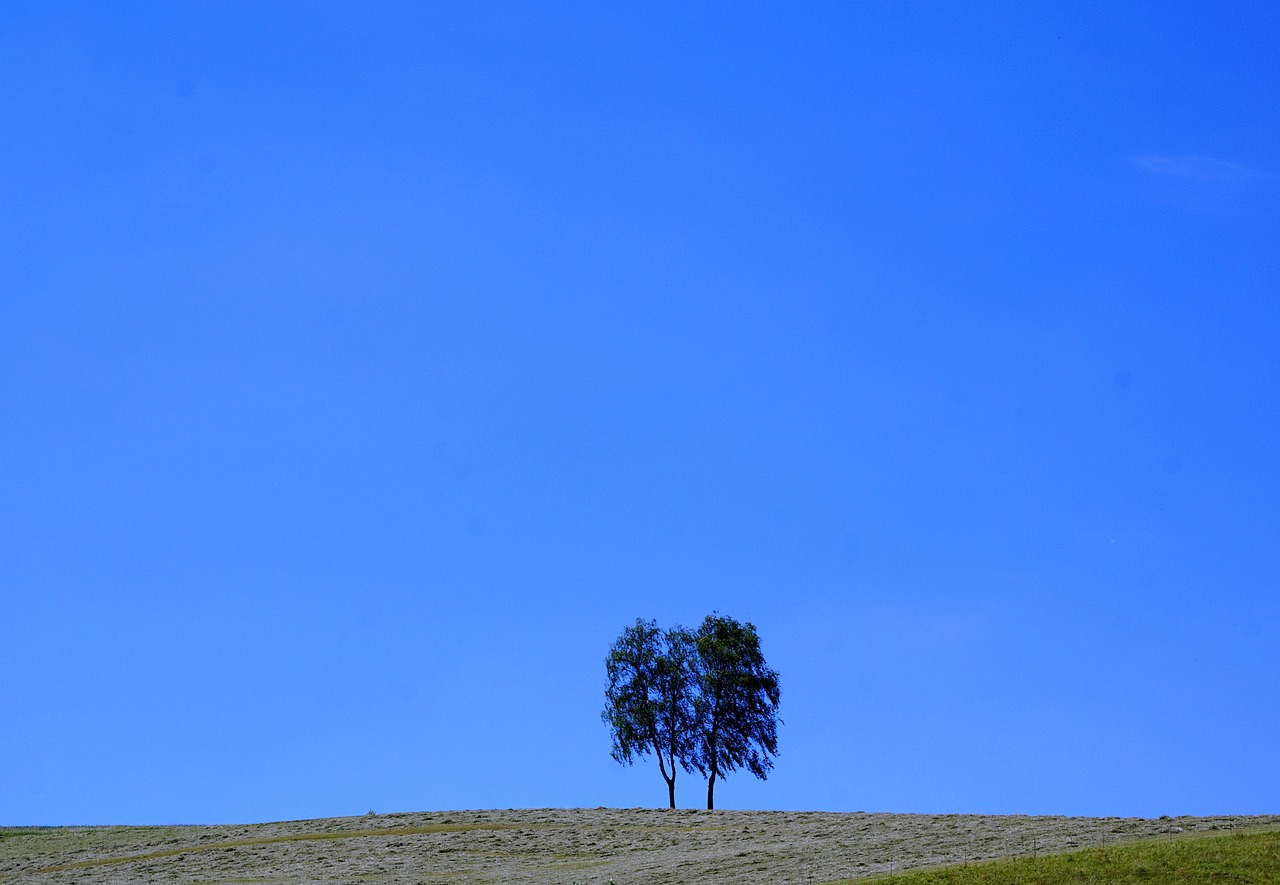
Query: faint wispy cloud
point(1196, 168)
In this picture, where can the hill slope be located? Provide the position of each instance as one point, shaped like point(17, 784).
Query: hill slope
point(558, 847)
point(1244, 856)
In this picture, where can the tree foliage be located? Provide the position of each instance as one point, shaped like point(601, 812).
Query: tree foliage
point(737, 702)
point(650, 698)
point(705, 701)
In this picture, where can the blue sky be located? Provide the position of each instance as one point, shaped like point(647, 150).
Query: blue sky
point(366, 368)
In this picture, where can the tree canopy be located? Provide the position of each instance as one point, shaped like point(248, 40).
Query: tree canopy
point(650, 698)
point(738, 697)
point(705, 701)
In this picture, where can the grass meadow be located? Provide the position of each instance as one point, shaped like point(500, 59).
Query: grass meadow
point(1238, 857)
point(654, 847)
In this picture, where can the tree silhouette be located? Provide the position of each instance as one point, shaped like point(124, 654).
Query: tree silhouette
point(706, 701)
point(650, 698)
point(737, 703)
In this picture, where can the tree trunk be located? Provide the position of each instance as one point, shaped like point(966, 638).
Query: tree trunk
point(711, 791)
point(671, 780)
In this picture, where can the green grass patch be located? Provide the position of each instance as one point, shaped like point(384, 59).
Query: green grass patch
point(272, 840)
point(1246, 857)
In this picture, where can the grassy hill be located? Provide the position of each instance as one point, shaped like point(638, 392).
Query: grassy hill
point(1240, 857)
point(595, 846)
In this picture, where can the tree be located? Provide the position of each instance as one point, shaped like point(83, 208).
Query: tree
point(737, 702)
point(650, 698)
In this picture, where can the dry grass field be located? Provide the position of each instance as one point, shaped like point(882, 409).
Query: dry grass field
point(561, 846)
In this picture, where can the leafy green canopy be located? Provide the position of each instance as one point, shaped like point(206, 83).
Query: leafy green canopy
point(738, 697)
point(650, 697)
point(705, 701)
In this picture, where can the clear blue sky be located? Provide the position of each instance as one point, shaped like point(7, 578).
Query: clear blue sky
point(366, 368)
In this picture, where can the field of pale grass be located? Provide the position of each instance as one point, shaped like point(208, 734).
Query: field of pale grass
point(1244, 856)
point(625, 846)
